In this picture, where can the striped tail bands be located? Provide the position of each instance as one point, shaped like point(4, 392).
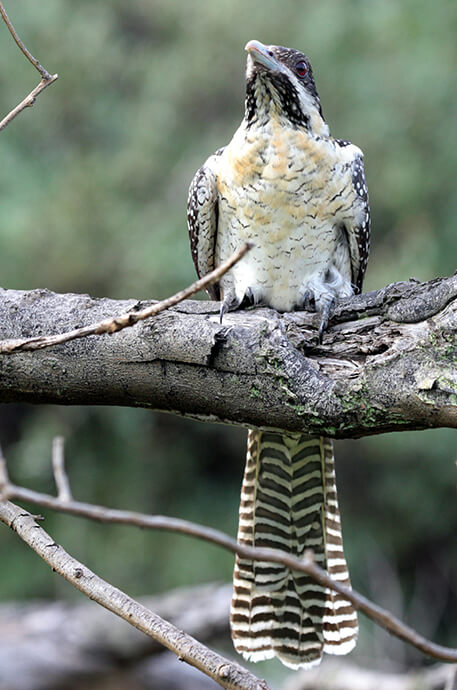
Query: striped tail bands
point(289, 502)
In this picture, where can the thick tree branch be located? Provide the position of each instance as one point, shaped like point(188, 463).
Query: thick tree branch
point(387, 362)
point(130, 318)
point(226, 673)
point(46, 78)
point(382, 617)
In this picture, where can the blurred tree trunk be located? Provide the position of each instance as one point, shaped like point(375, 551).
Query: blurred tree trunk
point(56, 646)
point(51, 646)
point(346, 676)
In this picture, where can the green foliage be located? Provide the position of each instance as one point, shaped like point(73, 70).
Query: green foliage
point(93, 191)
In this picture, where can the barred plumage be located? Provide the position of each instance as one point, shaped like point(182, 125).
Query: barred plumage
point(300, 197)
point(288, 501)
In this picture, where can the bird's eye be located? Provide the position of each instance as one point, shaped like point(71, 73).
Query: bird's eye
point(301, 68)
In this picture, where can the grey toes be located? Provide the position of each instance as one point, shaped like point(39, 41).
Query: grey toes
point(230, 303)
point(308, 301)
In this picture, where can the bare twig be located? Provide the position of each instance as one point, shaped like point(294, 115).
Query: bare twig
point(130, 318)
point(44, 73)
point(101, 514)
point(27, 102)
point(58, 468)
point(226, 673)
point(46, 78)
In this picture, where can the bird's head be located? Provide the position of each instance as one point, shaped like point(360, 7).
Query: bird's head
point(280, 83)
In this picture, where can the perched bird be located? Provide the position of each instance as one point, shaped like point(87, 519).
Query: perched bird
point(300, 197)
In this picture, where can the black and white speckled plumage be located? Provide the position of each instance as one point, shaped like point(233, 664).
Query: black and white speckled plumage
point(300, 196)
point(286, 90)
point(283, 122)
point(202, 212)
point(362, 229)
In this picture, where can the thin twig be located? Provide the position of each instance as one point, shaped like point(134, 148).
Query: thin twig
point(101, 514)
point(44, 73)
point(225, 672)
point(46, 78)
point(58, 468)
point(128, 319)
point(27, 102)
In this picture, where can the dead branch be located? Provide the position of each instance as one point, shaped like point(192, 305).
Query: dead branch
point(46, 78)
point(130, 318)
point(44, 73)
point(27, 102)
point(381, 616)
point(226, 673)
point(387, 362)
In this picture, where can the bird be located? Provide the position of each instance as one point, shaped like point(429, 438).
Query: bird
point(299, 196)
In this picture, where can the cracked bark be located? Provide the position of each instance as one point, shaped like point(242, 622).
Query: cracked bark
point(387, 361)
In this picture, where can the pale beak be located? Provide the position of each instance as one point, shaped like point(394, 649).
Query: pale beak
point(262, 55)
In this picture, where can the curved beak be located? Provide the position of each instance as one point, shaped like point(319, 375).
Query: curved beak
point(262, 55)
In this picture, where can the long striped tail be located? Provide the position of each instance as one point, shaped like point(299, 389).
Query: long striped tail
point(289, 502)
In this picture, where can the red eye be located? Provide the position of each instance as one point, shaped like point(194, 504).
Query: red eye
point(301, 68)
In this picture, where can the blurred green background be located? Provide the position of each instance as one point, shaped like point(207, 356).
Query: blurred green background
point(93, 185)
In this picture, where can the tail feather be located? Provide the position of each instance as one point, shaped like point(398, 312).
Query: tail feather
point(340, 624)
point(288, 501)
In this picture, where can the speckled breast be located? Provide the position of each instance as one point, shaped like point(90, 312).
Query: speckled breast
point(287, 193)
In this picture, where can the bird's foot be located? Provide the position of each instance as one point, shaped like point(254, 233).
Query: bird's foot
point(232, 301)
point(309, 303)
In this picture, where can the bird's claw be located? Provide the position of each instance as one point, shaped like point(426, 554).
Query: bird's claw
point(308, 301)
point(230, 303)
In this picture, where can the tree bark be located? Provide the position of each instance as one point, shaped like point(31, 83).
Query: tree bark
point(387, 361)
